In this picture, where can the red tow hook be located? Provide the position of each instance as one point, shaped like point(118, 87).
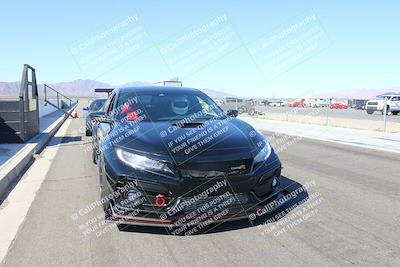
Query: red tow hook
point(160, 201)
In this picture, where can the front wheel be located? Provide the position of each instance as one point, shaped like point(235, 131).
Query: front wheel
point(94, 156)
point(242, 109)
point(102, 183)
point(88, 132)
point(370, 111)
point(95, 153)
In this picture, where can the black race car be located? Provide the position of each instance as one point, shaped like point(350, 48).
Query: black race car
point(92, 110)
point(169, 156)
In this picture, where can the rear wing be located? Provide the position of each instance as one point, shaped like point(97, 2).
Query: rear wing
point(104, 90)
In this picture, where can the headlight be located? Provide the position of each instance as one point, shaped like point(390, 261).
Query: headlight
point(141, 162)
point(264, 153)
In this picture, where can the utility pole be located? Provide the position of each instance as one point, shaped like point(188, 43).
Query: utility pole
point(384, 115)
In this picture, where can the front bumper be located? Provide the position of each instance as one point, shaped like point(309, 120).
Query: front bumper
point(231, 200)
point(374, 108)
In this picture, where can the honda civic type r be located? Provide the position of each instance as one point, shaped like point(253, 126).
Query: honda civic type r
point(169, 156)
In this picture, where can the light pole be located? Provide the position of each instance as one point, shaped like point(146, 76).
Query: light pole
point(384, 115)
point(327, 111)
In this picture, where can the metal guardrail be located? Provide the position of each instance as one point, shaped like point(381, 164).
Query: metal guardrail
point(59, 97)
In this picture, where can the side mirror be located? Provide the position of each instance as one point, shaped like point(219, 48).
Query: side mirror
point(99, 116)
point(104, 119)
point(232, 113)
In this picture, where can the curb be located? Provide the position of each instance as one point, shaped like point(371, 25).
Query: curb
point(16, 166)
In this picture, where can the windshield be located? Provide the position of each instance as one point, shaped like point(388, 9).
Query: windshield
point(382, 97)
point(96, 105)
point(167, 106)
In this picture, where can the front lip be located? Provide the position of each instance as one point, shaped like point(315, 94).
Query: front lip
point(113, 217)
point(134, 220)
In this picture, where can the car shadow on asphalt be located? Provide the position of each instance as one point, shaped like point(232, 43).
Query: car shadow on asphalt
point(289, 187)
point(62, 140)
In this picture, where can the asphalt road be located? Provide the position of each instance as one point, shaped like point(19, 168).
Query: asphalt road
point(351, 217)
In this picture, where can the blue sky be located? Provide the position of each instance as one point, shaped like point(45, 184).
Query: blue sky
point(363, 50)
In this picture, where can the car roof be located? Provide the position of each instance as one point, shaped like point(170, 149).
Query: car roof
point(389, 95)
point(157, 89)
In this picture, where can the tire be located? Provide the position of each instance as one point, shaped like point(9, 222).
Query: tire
point(88, 132)
point(106, 204)
point(395, 112)
point(94, 156)
point(242, 109)
point(388, 112)
point(370, 111)
point(100, 170)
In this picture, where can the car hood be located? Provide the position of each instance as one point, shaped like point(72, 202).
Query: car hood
point(225, 139)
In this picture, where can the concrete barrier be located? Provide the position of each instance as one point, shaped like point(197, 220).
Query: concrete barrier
point(11, 171)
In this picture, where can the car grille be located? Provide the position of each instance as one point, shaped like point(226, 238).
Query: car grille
point(373, 103)
point(215, 169)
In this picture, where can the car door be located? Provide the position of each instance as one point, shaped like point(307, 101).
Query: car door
point(395, 103)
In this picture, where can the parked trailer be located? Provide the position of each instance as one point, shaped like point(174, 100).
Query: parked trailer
point(239, 104)
point(357, 103)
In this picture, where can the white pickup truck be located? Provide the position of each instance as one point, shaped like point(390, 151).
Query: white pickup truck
point(378, 104)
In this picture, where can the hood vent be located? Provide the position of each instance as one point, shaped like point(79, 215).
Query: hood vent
point(189, 125)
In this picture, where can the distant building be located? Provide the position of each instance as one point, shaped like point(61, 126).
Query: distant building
point(173, 82)
point(319, 102)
